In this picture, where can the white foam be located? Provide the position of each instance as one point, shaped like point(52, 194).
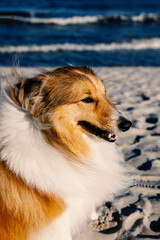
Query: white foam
point(142, 17)
point(57, 21)
point(142, 44)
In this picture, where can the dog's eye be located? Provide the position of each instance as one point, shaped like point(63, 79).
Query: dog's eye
point(87, 100)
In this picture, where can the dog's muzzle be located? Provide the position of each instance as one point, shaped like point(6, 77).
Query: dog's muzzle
point(124, 124)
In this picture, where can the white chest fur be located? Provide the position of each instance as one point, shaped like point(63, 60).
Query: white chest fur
point(39, 164)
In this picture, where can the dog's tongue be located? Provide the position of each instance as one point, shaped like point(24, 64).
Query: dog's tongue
point(111, 136)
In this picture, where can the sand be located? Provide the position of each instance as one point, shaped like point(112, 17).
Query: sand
point(135, 214)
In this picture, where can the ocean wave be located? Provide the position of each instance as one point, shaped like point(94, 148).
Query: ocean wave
point(142, 44)
point(54, 21)
point(141, 18)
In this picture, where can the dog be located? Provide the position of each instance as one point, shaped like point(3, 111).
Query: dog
point(58, 159)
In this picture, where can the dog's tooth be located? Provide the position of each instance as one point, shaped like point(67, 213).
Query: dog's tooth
point(109, 135)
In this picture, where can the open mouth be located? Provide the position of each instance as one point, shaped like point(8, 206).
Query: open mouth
point(106, 135)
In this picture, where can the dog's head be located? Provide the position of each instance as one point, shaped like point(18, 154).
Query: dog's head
point(70, 101)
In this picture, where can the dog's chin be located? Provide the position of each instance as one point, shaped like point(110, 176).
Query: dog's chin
point(104, 134)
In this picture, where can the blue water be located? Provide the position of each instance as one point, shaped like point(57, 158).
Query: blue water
point(84, 32)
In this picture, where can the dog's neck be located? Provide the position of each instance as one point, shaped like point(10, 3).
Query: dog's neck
point(44, 167)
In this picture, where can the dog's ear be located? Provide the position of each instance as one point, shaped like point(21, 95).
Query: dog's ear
point(28, 86)
point(24, 92)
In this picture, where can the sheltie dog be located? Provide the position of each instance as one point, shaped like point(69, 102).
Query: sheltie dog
point(58, 159)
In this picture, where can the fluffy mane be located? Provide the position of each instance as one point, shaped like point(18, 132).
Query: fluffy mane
point(44, 148)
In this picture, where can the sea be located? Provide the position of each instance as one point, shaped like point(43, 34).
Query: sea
point(80, 32)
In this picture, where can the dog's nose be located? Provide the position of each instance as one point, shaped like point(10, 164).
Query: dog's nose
point(124, 124)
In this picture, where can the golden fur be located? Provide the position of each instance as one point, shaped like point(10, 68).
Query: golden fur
point(24, 210)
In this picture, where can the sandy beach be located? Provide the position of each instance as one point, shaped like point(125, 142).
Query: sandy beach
point(135, 214)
